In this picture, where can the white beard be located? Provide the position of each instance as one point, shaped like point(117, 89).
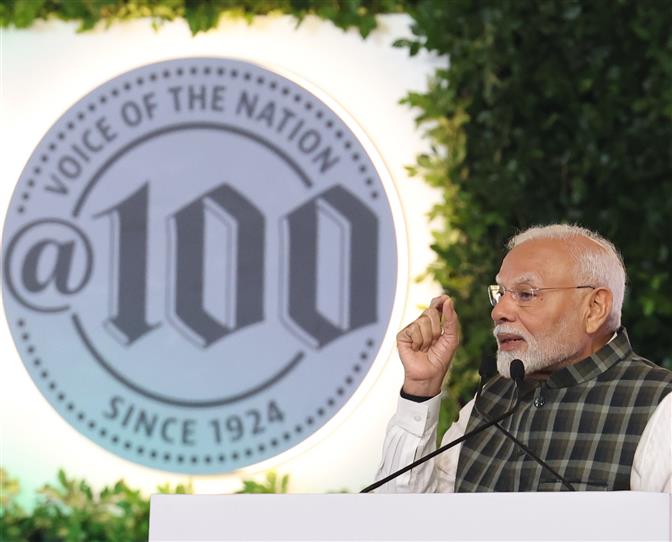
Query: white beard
point(541, 353)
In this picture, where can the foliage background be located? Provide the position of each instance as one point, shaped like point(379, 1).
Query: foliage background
point(550, 111)
point(70, 511)
point(547, 111)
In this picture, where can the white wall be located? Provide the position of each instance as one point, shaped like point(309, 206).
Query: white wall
point(46, 69)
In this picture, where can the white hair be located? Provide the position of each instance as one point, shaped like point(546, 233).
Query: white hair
point(599, 266)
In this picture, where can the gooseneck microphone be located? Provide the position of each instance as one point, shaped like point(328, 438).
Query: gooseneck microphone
point(486, 370)
point(517, 370)
point(529, 452)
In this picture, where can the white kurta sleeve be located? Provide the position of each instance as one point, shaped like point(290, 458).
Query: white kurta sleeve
point(411, 434)
point(652, 465)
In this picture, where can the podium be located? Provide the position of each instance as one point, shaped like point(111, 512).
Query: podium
point(427, 517)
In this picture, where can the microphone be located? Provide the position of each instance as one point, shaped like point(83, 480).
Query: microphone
point(517, 371)
point(516, 368)
point(486, 370)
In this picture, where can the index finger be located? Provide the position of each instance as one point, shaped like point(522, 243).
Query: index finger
point(438, 302)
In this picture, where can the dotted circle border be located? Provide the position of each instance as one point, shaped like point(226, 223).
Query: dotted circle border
point(61, 138)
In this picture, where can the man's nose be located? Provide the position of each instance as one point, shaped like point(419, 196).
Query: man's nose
point(505, 309)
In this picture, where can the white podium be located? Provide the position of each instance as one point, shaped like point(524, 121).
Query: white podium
point(344, 517)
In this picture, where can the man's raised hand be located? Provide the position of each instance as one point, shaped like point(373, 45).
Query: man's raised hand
point(427, 345)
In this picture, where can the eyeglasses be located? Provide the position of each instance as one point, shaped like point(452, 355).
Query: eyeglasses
point(523, 296)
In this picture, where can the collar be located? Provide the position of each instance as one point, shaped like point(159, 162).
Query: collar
point(615, 350)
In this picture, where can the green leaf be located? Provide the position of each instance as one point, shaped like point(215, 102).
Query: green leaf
point(26, 11)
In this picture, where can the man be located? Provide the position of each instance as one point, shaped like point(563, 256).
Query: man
point(596, 412)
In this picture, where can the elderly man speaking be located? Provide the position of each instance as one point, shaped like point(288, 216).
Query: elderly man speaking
point(595, 412)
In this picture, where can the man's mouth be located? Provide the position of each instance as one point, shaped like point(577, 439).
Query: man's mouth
point(510, 341)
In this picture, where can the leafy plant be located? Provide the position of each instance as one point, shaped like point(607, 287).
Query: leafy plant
point(200, 15)
point(70, 511)
point(272, 484)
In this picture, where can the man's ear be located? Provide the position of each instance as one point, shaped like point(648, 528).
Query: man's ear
point(598, 309)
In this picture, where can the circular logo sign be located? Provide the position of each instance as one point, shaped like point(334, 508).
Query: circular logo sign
point(199, 264)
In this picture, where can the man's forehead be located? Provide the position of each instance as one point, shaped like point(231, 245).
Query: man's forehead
point(529, 277)
point(537, 262)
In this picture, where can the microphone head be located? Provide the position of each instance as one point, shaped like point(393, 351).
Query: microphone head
point(517, 370)
point(488, 368)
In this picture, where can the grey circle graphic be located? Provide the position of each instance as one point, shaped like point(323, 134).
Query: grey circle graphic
point(199, 264)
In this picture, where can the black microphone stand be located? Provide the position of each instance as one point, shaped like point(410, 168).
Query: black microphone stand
point(527, 451)
point(487, 370)
point(517, 374)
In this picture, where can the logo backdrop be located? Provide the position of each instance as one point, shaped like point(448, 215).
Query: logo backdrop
point(199, 264)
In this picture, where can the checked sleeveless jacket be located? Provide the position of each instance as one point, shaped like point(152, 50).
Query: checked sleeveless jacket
point(585, 421)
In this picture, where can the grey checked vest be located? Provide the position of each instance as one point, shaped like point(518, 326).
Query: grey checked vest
point(585, 421)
